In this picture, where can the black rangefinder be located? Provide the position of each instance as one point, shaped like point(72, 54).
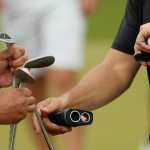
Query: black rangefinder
point(71, 117)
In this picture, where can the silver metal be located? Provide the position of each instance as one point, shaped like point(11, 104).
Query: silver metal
point(40, 62)
point(6, 38)
point(21, 75)
point(47, 139)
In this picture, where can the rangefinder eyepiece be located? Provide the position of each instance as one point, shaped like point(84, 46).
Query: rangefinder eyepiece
point(71, 117)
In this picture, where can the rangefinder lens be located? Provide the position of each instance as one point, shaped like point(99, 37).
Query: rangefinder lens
point(75, 116)
point(85, 117)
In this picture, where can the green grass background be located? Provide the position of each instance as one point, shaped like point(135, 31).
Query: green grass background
point(122, 124)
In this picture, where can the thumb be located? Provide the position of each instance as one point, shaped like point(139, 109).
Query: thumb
point(44, 111)
point(7, 53)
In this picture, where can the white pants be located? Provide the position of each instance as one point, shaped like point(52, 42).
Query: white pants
point(47, 27)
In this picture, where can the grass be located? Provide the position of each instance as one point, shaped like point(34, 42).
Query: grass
point(121, 125)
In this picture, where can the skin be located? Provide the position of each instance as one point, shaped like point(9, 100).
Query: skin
point(10, 60)
point(19, 101)
point(88, 6)
point(15, 106)
point(61, 85)
point(141, 43)
point(99, 86)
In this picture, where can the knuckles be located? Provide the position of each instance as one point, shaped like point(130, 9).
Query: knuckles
point(20, 49)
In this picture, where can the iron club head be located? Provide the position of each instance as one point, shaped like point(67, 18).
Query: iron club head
point(6, 38)
point(22, 75)
point(39, 62)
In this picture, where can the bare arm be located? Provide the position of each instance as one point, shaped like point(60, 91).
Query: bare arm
point(105, 82)
point(100, 86)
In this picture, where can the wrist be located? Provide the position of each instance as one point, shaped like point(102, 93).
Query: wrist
point(64, 101)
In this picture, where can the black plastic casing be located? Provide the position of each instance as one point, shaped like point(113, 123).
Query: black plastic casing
point(71, 117)
point(142, 56)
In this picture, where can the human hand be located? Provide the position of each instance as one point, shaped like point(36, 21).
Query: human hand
point(141, 41)
point(15, 104)
point(10, 60)
point(88, 6)
point(46, 107)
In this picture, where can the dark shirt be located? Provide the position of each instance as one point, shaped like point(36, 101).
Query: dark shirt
point(137, 13)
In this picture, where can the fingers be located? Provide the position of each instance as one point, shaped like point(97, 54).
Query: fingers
point(141, 41)
point(54, 129)
point(18, 57)
point(27, 92)
point(15, 51)
point(31, 108)
point(36, 124)
point(18, 62)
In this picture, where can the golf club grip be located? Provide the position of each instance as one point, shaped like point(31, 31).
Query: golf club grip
point(141, 55)
point(71, 117)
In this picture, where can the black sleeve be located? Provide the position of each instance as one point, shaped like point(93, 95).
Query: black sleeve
point(129, 28)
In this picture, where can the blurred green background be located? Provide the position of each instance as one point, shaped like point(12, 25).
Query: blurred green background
point(121, 125)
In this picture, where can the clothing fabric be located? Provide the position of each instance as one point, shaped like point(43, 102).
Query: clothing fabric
point(137, 13)
point(48, 27)
point(129, 28)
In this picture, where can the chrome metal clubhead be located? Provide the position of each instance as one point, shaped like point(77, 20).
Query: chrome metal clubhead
point(22, 75)
point(39, 62)
point(6, 38)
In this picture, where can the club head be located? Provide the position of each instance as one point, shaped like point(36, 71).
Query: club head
point(6, 38)
point(22, 75)
point(39, 62)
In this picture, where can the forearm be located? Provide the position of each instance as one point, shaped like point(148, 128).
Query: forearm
point(104, 83)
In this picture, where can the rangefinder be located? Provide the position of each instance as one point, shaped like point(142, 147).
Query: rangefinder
point(71, 117)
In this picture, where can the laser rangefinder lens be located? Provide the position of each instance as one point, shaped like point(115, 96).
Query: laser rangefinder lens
point(85, 117)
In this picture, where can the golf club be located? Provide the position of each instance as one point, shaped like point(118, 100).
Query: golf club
point(6, 38)
point(47, 139)
point(21, 75)
point(40, 62)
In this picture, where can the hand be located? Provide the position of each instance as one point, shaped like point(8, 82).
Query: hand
point(15, 104)
point(46, 107)
point(88, 6)
point(141, 41)
point(10, 60)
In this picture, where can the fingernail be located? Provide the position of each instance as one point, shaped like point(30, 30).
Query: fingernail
point(12, 70)
point(64, 130)
point(9, 63)
point(44, 108)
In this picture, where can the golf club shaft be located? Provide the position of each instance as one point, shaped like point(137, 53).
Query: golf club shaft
point(47, 139)
point(13, 128)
